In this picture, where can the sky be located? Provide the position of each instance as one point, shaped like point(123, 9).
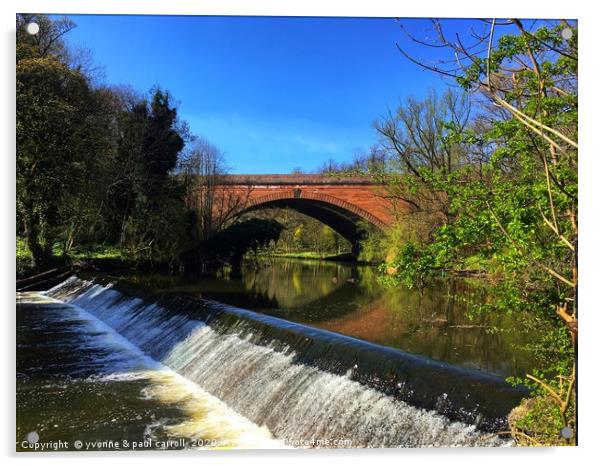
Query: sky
point(273, 94)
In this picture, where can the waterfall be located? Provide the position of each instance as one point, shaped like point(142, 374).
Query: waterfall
point(89, 359)
point(309, 387)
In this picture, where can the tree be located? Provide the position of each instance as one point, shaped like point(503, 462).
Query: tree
point(418, 140)
point(518, 207)
point(327, 240)
point(84, 217)
point(300, 233)
point(161, 142)
point(48, 42)
point(372, 163)
point(203, 171)
point(56, 129)
point(144, 193)
point(94, 164)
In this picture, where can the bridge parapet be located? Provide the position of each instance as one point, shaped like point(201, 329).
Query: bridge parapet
point(297, 179)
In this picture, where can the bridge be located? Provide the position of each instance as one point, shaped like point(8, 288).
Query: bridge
point(345, 203)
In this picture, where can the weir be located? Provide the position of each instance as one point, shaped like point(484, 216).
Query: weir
point(301, 382)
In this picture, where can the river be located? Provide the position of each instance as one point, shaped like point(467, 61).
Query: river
point(305, 354)
point(349, 299)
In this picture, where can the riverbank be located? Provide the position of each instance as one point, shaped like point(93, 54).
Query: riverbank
point(99, 258)
point(313, 255)
point(111, 258)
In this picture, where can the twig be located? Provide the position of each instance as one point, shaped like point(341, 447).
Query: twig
point(549, 389)
point(543, 266)
point(489, 54)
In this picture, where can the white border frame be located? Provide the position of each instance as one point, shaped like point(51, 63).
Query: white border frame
point(590, 192)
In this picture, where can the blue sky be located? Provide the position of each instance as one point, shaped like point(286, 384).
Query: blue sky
point(272, 93)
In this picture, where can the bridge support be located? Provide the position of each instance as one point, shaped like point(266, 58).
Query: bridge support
point(355, 249)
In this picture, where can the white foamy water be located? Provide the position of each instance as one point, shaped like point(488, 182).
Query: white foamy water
point(301, 405)
point(207, 421)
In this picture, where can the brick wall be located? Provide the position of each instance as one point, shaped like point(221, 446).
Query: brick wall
point(359, 195)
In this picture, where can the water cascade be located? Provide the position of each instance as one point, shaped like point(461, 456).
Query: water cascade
point(306, 385)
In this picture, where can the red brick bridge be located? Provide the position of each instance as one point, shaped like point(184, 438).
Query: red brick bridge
point(345, 203)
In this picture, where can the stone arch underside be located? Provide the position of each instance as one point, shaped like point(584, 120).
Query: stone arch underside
point(343, 217)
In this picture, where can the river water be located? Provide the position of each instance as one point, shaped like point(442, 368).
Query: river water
point(328, 358)
point(349, 299)
point(80, 381)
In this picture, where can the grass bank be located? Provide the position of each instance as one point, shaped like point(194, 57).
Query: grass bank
point(311, 255)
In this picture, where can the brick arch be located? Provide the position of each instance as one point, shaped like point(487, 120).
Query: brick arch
point(320, 197)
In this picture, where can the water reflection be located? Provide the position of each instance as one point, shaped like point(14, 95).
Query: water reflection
point(348, 299)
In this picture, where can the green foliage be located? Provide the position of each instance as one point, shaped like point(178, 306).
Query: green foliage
point(511, 206)
point(94, 165)
point(538, 422)
point(22, 251)
point(383, 246)
point(53, 114)
point(373, 248)
point(24, 259)
point(301, 234)
point(91, 252)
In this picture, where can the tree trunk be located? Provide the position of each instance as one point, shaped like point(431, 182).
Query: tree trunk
point(40, 254)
